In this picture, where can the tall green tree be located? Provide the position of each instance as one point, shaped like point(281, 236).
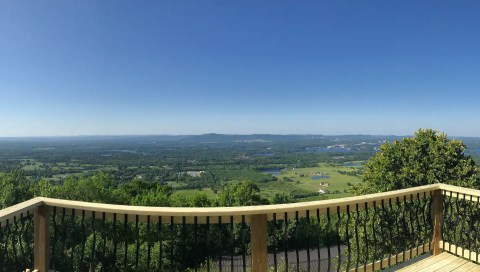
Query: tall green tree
point(426, 158)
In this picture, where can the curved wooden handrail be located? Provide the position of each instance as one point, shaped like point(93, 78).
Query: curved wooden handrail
point(237, 212)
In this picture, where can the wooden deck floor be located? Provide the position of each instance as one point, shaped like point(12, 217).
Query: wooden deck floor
point(443, 262)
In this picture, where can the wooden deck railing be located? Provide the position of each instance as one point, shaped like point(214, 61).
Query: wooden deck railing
point(364, 233)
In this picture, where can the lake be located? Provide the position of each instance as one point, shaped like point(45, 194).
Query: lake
point(273, 171)
point(317, 177)
point(353, 163)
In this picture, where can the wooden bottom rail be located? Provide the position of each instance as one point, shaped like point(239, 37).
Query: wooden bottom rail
point(462, 252)
point(394, 259)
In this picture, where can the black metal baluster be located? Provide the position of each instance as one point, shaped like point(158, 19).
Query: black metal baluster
point(55, 238)
point(195, 233)
point(386, 215)
point(115, 241)
point(410, 216)
point(328, 240)
point(405, 227)
point(451, 210)
point(357, 241)
point(232, 243)
point(72, 239)
point(104, 248)
point(2, 254)
point(425, 208)
point(172, 243)
point(374, 217)
point(308, 240)
point(397, 234)
point(27, 241)
point(430, 222)
point(137, 247)
point(338, 240)
point(458, 243)
point(285, 240)
point(348, 238)
point(207, 238)
point(220, 252)
point(469, 225)
point(365, 236)
point(20, 242)
point(149, 244)
point(419, 227)
point(92, 252)
point(64, 235)
point(476, 229)
point(84, 239)
point(184, 243)
point(244, 250)
point(274, 242)
point(296, 242)
point(7, 236)
point(160, 246)
point(319, 262)
point(382, 232)
point(125, 253)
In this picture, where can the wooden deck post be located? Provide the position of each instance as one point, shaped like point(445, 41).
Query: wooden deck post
point(42, 239)
point(259, 243)
point(437, 214)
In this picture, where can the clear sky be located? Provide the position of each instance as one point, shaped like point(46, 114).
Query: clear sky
point(191, 67)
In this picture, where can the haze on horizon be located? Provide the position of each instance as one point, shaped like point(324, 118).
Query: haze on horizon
point(245, 67)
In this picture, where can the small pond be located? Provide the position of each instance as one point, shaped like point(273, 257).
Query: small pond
point(317, 177)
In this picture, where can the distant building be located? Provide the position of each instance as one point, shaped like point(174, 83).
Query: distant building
point(195, 174)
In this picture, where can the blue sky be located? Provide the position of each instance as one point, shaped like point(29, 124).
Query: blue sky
point(190, 67)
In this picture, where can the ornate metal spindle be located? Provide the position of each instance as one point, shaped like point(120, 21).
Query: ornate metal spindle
point(244, 250)
point(430, 221)
point(220, 243)
point(172, 243)
point(365, 236)
point(285, 239)
point(92, 252)
point(348, 238)
point(84, 239)
point(382, 232)
point(425, 221)
point(125, 251)
point(319, 262)
point(339, 264)
point(328, 240)
point(274, 242)
point(232, 243)
point(27, 240)
point(308, 239)
point(357, 241)
point(297, 255)
point(149, 244)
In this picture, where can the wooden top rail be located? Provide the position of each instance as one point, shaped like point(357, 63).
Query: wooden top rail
point(227, 212)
